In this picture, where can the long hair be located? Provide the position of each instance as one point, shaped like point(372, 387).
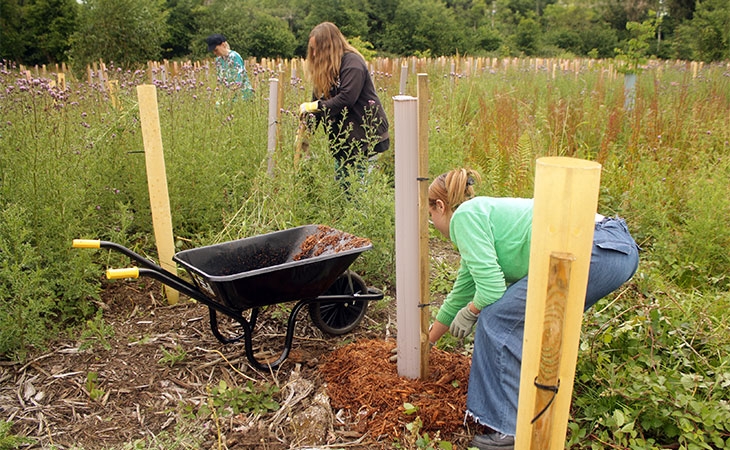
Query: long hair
point(453, 187)
point(324, 55)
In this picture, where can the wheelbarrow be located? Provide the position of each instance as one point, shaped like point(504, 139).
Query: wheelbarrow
point(307, 264)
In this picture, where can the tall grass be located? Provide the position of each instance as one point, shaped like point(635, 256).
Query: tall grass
point(653, 368)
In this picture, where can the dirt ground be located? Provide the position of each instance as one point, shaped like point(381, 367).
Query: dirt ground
point(113, 386)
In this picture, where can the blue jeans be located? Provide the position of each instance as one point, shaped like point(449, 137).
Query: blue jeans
point(494, 381)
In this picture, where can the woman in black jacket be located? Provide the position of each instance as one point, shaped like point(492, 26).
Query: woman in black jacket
point(344, 98)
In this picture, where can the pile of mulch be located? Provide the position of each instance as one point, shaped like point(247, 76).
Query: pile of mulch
point(363, 381)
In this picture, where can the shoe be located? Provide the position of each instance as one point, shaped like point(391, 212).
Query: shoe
point(493, 441)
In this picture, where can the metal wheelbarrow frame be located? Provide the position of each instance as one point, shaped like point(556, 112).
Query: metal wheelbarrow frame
point(250, 273)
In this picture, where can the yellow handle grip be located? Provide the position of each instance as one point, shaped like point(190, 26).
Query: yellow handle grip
point(129, 272)
point(86, 243)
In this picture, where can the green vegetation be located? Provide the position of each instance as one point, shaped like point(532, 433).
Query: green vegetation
point(228, 400)
point(654, 368)
point(131, 32)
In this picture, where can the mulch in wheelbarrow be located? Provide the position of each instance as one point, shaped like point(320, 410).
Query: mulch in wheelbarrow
point(363, 381)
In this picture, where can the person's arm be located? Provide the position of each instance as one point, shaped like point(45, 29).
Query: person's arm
point(438, 329)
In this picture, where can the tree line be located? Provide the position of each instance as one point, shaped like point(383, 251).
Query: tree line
point(129, 32)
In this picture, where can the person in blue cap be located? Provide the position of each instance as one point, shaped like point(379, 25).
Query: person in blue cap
point(230, 68)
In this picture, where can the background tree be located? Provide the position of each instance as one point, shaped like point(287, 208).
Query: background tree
point(130, 31)
point(579, 30)
point(423, 27)
point(350, 16)
point(50, 24)
point(183, 25)
point(380, 14)
point(527, 38)
point(708, 33)
point(12, 43)
point(250, 31)
point(126, 32)
point(270, 37)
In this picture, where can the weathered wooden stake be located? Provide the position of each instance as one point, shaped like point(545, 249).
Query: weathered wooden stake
point(403, 78)
point(273, 108)
point(61, 78)
point(157, 182)
point(423, 182)
point(548, 376)
point(113, 87)
point(566, 198)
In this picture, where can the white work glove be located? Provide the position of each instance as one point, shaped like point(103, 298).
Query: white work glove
point(308, 107)
point(463, 323)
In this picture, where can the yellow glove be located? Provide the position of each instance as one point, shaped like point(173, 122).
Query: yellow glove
point(308, 107)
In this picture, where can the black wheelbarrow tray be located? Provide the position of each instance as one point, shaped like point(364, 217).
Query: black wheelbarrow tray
point(307, 264)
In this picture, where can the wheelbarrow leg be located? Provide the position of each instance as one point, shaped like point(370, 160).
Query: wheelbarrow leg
point(248, 326)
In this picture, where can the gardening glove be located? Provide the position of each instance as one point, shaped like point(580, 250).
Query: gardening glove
point(463, 323)
point(308, 107)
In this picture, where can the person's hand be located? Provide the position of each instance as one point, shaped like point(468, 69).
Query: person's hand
point(463, 323)
point(308, 107)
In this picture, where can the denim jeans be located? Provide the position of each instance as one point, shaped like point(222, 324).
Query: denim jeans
point(494, 381)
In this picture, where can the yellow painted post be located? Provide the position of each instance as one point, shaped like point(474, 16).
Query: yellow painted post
point(566, 199)
point(157, 182)
point(423, 182)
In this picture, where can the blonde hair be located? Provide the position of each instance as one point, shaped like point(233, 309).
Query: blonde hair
point(324, 55)
point(453, 188)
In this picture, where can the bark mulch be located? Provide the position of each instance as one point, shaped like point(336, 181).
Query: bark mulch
point(362, 381)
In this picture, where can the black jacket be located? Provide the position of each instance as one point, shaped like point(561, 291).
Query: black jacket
point(353, 109)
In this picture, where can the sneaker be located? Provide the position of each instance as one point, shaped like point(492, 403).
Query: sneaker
point(493, 441)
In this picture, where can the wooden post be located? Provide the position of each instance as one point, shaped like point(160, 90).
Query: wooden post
point(566, 198)
point(273, 102)
point(403, 78)
point(113, 88)
point(61, 78)
point(157, 182)
point(408, 315)
point(279, 103)
point(548, 377)
point(423, 182)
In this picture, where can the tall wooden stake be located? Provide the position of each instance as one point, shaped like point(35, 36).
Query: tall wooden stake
point(548, 376)
point(566, 199)
point(157, 182)
point(273, 122)
point(423, 182)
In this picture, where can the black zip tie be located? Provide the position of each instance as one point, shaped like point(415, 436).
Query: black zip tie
point(423, 305)
point(545, 387)
point(422, 178)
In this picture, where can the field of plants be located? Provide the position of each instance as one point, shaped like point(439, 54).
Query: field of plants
point(654, 367)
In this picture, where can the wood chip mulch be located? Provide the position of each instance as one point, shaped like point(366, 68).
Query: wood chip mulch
point(363, 381)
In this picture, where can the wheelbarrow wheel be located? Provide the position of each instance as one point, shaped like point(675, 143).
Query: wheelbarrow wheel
point(341, 317)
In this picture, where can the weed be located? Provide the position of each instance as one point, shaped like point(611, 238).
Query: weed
point(416, 439)
point(172, 357)
point(96, 332)
point(9, 441)
point(229, 400)
point(92, 387)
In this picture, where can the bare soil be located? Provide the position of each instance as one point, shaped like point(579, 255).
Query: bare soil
point(119, 385)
